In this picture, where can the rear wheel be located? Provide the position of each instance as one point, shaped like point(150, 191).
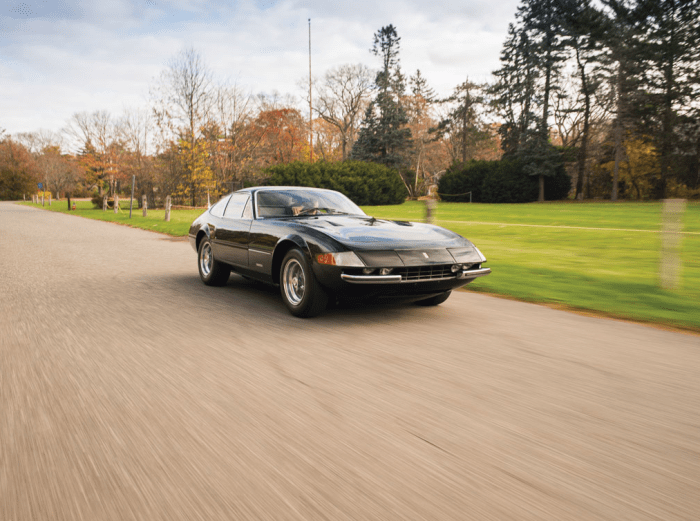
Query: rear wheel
point(211, 271)
point(434, 301)
point(301, 291)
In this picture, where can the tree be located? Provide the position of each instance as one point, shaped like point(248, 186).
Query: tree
point(280, 136)
point(623, 69)
point(463, 125)
point(96, 137)
point(230, 134)
point(17, 170)
point(383, 136)
point(341, 99)
point(583, 26)
point(183, 104)
point(58, 171)
point(513, 93)
point(430, 155)
point(671, 30)
point(543, 21)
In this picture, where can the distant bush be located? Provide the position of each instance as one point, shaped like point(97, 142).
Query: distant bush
point(364, 183)
point(502, 181)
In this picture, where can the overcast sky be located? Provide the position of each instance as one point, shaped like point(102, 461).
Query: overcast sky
point(58, 57)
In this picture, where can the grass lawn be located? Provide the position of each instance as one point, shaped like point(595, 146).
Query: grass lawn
point(611, 269)
point(594, 256)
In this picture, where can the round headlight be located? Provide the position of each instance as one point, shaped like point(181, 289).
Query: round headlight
point(456, 267)
point(385, 271)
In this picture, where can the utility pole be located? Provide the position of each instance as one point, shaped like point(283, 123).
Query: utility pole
point(311, 124)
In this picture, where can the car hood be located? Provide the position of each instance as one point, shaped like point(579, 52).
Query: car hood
point(361, 232)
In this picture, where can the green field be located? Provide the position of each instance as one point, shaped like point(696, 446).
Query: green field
point(593, 256)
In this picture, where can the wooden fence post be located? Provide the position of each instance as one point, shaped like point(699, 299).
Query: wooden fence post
point(144, 205)
point(430, 206)
point(116, 203)
point(167, 209)
point(49, 198)
point(670, 262)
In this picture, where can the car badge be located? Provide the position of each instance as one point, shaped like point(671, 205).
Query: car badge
point(425, 255)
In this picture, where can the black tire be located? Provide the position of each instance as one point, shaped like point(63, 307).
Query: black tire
point(301, 291)
point(436, 300)
point(211, 271)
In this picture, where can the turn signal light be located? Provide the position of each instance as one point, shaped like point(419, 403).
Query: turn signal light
point(326, 258)
point(344, 258)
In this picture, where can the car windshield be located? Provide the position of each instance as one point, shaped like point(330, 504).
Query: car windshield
point(300, 203)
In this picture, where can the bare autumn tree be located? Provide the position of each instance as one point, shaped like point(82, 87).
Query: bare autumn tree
point(232, 111)
point(341, 100)
point(135, 129)
point(94, 136)
point(183, 100)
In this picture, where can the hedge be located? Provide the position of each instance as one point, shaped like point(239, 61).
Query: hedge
point(499, 182)
point(364, 183)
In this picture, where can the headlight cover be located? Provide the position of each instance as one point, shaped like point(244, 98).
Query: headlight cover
point(344, 258)
point(483, 259)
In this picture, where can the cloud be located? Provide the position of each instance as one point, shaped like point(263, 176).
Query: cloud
point(62, 57)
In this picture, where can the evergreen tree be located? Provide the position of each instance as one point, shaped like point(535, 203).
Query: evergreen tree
point(543, 21)
point(383, 136)
point(623, 71)
point(671, 30)
point(513, 93)
point(462, 121)
point(584, 26)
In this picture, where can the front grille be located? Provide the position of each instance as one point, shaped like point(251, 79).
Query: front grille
point(418, 273)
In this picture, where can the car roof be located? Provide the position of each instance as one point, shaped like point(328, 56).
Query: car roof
point(274, 188)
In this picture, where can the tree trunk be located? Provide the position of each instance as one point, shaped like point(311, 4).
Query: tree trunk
point(540, 198)
point(144, 203)
point(584, 137)
point(116, 203)
point(167, 208)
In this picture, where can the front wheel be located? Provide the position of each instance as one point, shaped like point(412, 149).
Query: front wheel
point(434, 301)
point(301, 291)
point(211, 271)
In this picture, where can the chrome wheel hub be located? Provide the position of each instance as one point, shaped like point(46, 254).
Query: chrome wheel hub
point(206, 260)
point(293, 282)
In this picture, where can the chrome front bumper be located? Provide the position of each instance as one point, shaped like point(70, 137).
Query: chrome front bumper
point(396, 279)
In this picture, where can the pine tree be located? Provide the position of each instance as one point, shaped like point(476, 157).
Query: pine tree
point(584, 27)
point(513, 93)
point(543, 21)
point(671, 30)
point(463, 122)
point(383, 136)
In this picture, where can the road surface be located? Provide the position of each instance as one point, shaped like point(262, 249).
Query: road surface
point(129, 390)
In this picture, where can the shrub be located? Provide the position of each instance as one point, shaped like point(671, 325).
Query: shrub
point(364, 183)
point(502, 181)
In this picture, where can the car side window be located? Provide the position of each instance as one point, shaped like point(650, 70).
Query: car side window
point(235, 206)
point(248, 210)
point(218, 209)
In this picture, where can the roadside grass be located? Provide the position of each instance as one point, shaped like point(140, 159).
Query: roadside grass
point(540, 252)
point(178, 226)
point(603, 270)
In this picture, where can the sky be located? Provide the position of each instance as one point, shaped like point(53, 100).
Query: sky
point(60, 57)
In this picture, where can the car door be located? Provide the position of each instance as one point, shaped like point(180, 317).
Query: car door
point(232, 236)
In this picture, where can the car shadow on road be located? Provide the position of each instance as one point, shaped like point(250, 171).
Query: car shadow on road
point(246, 294)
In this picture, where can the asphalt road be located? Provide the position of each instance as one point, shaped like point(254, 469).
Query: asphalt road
point(129, 390)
